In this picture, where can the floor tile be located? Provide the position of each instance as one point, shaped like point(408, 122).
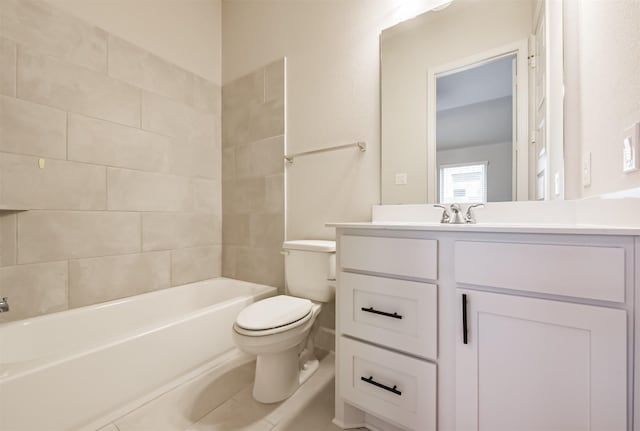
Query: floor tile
point(233, 416)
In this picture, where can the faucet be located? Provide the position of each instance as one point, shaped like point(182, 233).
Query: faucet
point(468, 216)
point(450, 215)
point(445, 214)
point(4, 305)
point(453, 215)
point(456, 217)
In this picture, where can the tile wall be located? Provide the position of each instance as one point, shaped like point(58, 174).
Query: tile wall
point(253, 145)
point(129, 197)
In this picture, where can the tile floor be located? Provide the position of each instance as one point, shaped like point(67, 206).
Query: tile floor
point(309, 409)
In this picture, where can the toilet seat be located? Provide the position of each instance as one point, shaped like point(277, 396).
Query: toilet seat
point(273, 315)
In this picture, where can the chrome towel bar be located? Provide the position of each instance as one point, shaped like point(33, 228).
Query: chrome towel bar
point(361, 145)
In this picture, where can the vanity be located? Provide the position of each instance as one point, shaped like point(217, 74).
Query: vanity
point(485, 326)
point(526, 320)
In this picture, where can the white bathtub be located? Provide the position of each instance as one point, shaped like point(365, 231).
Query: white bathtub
point(65, 371)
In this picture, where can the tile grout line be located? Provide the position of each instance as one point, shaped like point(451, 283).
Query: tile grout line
point(16, 251)
point(68, 284)
point(66, 137)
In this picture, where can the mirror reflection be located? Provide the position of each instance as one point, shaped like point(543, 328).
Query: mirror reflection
point(470, 107)
point(475, 162)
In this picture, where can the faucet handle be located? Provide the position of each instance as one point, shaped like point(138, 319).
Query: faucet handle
point(468, 216)
point(445, 213)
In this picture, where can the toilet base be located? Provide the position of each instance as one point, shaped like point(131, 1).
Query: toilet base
point(279, 375)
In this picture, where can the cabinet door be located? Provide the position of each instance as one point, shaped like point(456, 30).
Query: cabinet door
point(534, 365)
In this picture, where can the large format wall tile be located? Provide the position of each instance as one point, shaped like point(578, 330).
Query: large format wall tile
point(138, 67)
point(56, 235)
point(8, 232)
point(145, 191)
point(266, 120)
point(60, 185)
point(36, 24)
point(266, 230)
point(179, 230)
point(274, 80)
point(29, 128)
point(107, 143)
point(55, 83)
point(261, 158)
point(8, 55)
point(171, 118)
point(243, 196)
point(260, 265)
point(105, 278)
point(195, 264)
point(197, 157)
point(206, 95)
point(253, 176)
point(274, 194)
point(244, 90)
point(34, 289)
point(206, 195)
point(236, 229)
point(91, 163)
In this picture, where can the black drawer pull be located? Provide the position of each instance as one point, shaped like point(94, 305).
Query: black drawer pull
point(382, 313)
point(380, 385)
point(465, 331)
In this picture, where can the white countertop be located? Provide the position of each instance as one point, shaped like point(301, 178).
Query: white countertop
point(565, 229)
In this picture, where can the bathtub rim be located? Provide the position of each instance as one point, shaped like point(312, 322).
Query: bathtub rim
point(23, 368)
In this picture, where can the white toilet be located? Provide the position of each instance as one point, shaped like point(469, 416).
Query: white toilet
point(279, 329)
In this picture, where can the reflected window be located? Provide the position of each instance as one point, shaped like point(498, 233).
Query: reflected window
point(463, 183)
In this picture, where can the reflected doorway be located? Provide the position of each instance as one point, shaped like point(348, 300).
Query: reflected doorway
point(475, 139)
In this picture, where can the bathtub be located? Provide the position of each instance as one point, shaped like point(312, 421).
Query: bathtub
point(66, 371)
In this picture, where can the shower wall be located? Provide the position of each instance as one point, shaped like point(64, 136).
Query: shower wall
point(115, 154)
point(253, 144)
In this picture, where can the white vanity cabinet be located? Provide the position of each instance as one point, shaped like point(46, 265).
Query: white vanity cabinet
point(467, 330)
point(387, 309)
point(533, 364)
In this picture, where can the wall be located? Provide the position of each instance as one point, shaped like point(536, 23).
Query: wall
point(253, 140)
point(408, 50)
point(604, 98)
point(332, 96)
point(184, 32)
point(128, 199)
point(500, 158)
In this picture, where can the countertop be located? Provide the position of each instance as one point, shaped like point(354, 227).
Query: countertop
point(564, 229)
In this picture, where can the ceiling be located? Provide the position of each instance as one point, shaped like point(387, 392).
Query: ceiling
point(474, 106)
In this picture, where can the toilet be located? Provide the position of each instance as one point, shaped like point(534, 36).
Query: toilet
point(279, 330)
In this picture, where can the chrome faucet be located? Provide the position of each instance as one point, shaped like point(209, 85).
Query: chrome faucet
point(456, 218)
point(445, 214)
point(452, 214)
point(4, 305)
point(468, 216)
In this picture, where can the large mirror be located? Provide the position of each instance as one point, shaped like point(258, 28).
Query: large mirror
point(472, 105)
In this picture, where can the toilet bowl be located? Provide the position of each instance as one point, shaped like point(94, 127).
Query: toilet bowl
point(280, 330)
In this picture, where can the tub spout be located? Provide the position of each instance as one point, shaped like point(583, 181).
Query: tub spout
point(4, 305)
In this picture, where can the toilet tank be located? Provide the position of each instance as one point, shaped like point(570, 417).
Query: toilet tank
point(310, 269)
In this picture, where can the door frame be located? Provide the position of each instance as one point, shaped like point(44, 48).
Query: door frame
point(521, 127)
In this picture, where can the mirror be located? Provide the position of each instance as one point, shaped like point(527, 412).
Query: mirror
point(471, 104)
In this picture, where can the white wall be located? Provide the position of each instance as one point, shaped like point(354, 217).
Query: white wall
point(433, 39)
point(605, 50)
point(333, 97)
point(499, 157)
point(185, 32)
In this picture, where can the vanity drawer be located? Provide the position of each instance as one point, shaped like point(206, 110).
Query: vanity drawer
point(400, 314)
point(593, 272)
point(400, 256)
point(390, 385)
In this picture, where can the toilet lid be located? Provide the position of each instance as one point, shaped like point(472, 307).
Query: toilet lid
point(273, 312)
